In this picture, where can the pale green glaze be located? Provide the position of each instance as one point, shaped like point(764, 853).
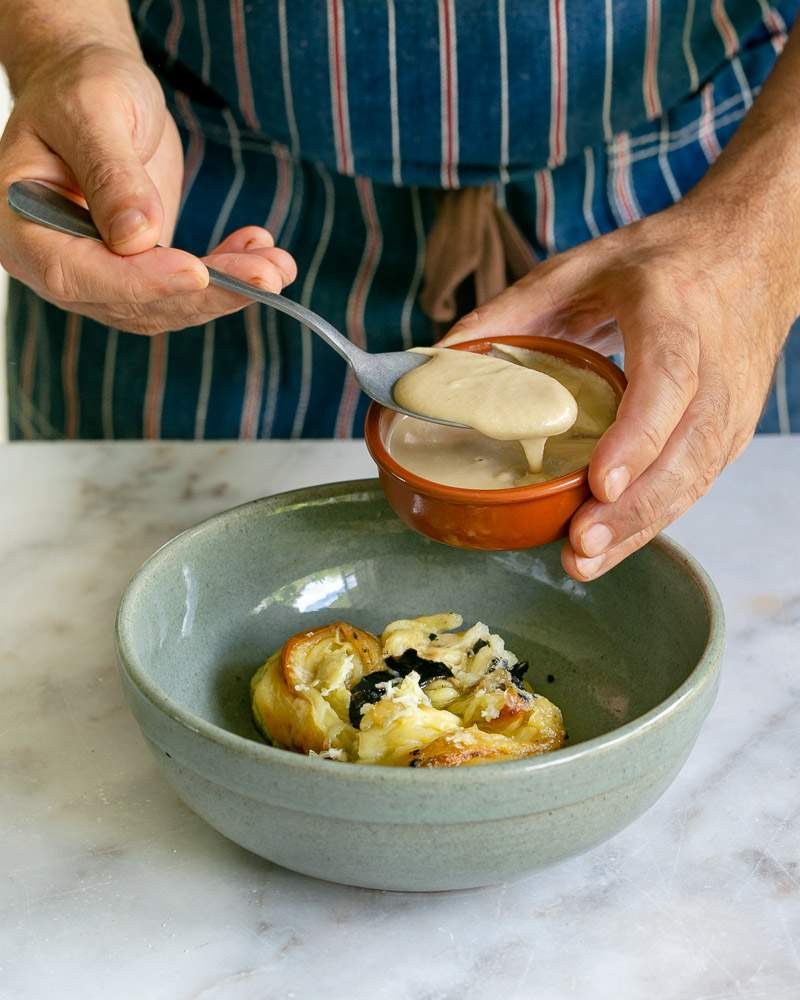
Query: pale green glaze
point(635, 657)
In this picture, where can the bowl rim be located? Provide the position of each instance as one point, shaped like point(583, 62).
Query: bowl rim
point(701, 674)
point(378, 418)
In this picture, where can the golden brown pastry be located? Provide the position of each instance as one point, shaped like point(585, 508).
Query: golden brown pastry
point(301, 695)
point(423, 695)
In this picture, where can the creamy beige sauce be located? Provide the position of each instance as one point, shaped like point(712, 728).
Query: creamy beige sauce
point(497, 397)
point(470, 459)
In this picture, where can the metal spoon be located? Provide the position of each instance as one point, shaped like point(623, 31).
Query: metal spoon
point(375, 373)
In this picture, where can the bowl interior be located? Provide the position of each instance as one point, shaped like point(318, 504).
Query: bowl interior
point(210, 606)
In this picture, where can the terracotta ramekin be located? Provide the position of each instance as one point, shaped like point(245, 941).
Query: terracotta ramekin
point(517, 518)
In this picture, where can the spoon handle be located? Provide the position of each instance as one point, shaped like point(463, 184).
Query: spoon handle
point(41, 204)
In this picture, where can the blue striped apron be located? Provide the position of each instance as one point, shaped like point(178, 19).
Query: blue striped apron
point(334, 123)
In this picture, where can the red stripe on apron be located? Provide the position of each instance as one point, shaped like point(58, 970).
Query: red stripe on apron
point(154, 391)
point(242, 65)
point(69, 375)
point(357, 302)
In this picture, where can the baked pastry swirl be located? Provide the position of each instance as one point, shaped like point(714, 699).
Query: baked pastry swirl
point(421, 695)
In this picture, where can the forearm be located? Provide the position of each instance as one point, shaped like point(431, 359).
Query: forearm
point(33, 31)
point(754, 187)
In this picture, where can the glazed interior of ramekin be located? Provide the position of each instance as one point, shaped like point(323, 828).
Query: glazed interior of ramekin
point(380, 421)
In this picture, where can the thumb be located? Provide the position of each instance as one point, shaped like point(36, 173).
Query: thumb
point(662, 359)
point(546, 303)
point(507, 314)
point(124, 202)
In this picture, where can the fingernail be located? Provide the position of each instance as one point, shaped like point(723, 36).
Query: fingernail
point(186, 281)
point(126, 225)
point(616, 483)
point(259, 282)
point(256, 243)
point(588, 567)
point(596, 540)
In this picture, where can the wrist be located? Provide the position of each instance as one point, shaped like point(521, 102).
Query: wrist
point(751, 227)
point(45, 46)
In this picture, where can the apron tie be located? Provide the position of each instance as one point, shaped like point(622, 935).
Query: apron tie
point(471, 236)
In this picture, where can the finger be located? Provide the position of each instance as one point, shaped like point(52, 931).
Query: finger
point(269, 268)
point(245, 239)
point(662, 361)
point(96, 142)
point(537, 304)
point(67, 269)
point(583, 569)
point(254, 239)
point(200, 307)
point(696, 453)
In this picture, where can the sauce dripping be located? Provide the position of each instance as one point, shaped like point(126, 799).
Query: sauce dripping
point(467, 458)
point(498, 398)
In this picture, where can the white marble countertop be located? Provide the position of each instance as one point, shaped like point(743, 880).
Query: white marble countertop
point(111, 888)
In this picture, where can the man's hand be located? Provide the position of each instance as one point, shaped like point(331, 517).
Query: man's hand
point(93, 122)
point(702, 297)
point(702, 321)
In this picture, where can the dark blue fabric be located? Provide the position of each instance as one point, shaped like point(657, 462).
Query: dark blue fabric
point(255, 82)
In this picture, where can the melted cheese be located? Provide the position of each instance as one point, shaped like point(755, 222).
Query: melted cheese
point(301, 697)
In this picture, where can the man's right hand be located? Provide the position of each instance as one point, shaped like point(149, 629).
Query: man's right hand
point(95, 124)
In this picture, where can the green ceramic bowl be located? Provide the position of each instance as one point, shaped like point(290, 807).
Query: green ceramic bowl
point(634, 656)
